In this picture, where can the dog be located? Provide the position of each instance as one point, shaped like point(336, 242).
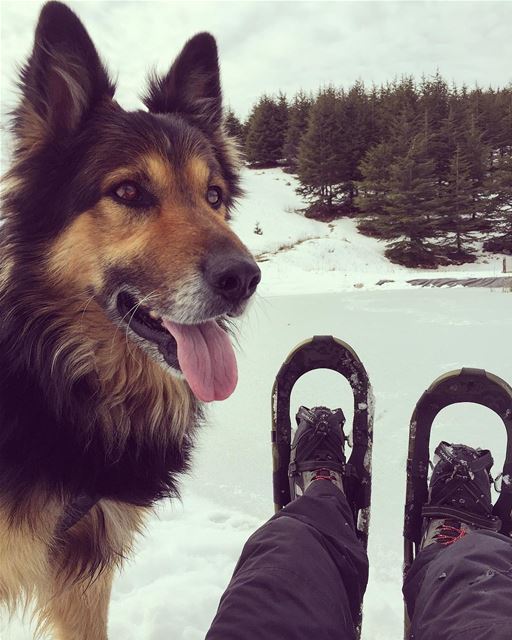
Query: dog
point(120, 276)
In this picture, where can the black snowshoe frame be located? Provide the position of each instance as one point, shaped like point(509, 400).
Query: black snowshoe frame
point(463, 385)
point(326, 352)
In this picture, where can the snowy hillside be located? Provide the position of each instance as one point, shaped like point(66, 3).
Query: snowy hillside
point(298, 255)
point(317, 279)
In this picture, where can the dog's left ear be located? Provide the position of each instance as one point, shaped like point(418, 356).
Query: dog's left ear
point(192, 85)
point(63, 80)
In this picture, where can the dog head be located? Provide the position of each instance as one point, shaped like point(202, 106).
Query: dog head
point(132, 208)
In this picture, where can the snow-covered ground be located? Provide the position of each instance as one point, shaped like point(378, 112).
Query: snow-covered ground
point(298, 255)
point(405, 336)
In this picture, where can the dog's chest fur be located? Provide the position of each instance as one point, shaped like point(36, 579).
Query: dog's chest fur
point(83, 411)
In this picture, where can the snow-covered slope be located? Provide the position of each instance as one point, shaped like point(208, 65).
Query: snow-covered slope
point(298, 255)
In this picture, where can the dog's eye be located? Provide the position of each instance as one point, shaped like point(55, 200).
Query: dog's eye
point(128, 192)
point(133, 195)
point(214, 196)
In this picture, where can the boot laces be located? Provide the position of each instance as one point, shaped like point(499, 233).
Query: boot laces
point(449, 532)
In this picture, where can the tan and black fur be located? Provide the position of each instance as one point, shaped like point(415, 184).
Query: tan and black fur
point(87, 406)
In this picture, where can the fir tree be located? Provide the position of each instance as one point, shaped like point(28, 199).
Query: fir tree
point(374, 190)
point(265, 131)
point(298, 115)
point(411, 203)
point(501, 207)
point(233, 125)
point(435, 108)
point(459, 207)
point(321, 167)
point(281, 120)
point(357, 129)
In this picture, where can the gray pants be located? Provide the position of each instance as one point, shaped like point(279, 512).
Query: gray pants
point(303, 575)
point(462, 591)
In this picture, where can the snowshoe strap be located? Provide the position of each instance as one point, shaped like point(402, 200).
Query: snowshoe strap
point(491, 523)
point(451, 487)
point(314, 442)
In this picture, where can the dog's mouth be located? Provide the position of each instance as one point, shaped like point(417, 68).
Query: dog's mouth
point(202, 352)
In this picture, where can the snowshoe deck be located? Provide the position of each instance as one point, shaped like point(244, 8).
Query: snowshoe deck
point(326, 352)
point(463, 385)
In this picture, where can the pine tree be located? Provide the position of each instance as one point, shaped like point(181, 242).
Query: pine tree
point(475, 151)
point(396, 98)
point(357, 128)
point(298, 115)
point(500, 211)
point(321, 167)
point(459, 207)
point(435, 108)
point(265, 131)
point(503, 141)
point(281, 123)
point(233, 125)
point(374, 190)
point(411, 203)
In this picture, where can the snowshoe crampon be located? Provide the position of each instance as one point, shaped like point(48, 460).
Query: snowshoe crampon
point(463, 385)
point(326, 352)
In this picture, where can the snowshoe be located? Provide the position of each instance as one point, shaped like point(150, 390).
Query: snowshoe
point(326, 352)
point(462, 473)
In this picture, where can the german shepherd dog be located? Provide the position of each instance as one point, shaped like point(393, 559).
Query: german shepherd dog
point(119, 277)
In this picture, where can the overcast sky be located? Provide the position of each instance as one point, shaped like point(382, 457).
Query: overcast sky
point(272, 46)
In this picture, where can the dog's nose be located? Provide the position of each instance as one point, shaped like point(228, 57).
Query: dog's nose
point(235, 278)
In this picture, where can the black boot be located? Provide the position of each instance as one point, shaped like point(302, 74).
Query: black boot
point(459, 495)
point(318, 449)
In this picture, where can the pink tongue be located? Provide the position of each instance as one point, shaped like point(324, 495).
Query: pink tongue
point(206, 358)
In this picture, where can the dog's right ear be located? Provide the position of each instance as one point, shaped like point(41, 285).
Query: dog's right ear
point(192, 85)
point(63, 79)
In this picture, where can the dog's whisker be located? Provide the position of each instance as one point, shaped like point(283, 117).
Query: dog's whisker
point(83, 311)
point(135, 308)
point(150, 295)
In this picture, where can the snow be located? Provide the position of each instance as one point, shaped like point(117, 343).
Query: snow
point(317, 279)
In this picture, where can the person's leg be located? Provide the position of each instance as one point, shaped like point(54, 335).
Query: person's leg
point(463, 590)
point(460, 584)
point(303, 574)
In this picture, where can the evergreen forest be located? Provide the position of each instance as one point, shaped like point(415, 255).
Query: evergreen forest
point(425, 166)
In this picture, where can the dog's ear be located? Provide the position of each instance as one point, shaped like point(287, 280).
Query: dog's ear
point(63, 78)
point(192, 85)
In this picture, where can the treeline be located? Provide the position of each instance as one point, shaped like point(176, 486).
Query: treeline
point(425, 166)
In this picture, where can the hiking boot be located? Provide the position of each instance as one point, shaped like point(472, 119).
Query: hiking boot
point(317, 451)
point(459, 495)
